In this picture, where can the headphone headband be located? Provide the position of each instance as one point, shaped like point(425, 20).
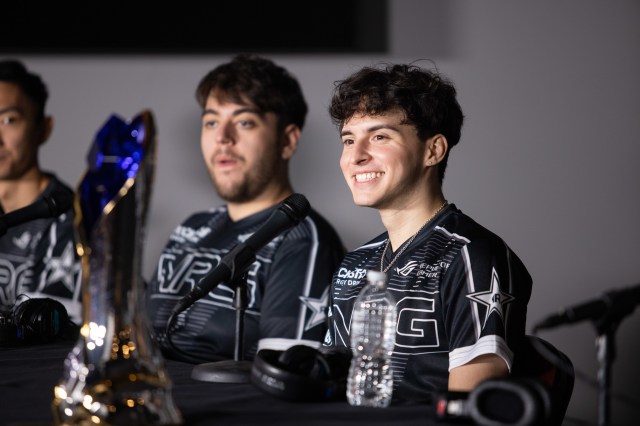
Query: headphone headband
point(301, 373)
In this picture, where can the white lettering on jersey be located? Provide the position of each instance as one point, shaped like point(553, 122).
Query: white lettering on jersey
point(172, 278)
point(12, 278)
point(414, 323)
point(183, 234)
point(350, 277)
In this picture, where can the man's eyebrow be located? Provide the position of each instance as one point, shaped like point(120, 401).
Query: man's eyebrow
point(383, 126)
point(10, 109)
point(373, 129)
point(237, 112)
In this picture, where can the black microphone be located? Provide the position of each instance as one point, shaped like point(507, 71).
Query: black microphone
point(235, 263)
point(52, 205)
point(618, 302)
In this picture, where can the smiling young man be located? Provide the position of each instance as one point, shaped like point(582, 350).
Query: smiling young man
point(253, 112)
point(461, 292)
point(37, 258)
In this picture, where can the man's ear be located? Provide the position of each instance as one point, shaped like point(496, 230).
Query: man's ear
point(290, 139)
point(437, 147)
point(46, 128)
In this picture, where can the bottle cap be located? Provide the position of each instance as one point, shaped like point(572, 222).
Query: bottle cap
point(373, 275)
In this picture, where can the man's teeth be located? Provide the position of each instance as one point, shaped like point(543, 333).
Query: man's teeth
point(364, 177)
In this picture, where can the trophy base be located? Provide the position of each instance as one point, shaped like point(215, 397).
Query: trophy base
point(223, 372)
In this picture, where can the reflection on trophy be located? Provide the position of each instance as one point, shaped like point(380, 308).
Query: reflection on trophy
point(115, 374)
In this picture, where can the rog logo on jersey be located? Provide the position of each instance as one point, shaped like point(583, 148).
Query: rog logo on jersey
point(406, 269)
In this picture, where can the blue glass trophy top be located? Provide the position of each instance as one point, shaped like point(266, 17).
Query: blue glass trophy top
point(114, 158)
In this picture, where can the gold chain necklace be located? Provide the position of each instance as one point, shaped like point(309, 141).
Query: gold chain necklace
point(408, 243)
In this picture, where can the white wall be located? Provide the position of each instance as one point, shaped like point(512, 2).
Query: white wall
point(548, 157)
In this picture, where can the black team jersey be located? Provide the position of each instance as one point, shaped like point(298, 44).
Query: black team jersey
point(38, 260)
point(460, 292)
point(288, 286)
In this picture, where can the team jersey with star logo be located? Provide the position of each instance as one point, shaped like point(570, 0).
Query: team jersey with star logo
point(287, 287)
point(38, 260)
point(460, 292)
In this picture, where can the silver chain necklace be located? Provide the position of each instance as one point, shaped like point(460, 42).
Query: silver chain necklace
point(407, 244)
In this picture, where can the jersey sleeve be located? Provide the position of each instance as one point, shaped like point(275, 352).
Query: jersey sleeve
point(486, 293)
point(57, 270)
point(294, 308)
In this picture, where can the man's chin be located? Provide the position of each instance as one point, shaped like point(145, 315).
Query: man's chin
point(363, 201)
point(234, 195)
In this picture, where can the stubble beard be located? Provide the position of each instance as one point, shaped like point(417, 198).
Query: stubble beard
point(250, 185)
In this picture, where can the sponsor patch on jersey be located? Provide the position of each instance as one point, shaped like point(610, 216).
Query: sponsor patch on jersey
point(183, 234)
point(350, 277)
point(23, 241)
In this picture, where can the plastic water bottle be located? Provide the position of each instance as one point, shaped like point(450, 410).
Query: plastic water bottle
point(373, 334)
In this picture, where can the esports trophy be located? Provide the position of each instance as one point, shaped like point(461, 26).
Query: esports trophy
point(115, 374)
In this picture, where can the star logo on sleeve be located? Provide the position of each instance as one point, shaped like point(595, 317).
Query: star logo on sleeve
point(494, 300)
point(62, 269)
point(318, 308)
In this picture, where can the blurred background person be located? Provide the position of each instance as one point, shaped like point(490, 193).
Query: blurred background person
point(253, 111)
point(37, 257)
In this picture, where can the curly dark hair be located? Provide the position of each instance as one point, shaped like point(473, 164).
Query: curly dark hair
point(427, 99)
point(14, 72)
point(270, 87)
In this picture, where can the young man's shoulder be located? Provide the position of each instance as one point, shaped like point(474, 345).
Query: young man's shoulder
point(370, 245)
point(56, 185)
point(324, 229)
point(479, 239)
point(459, 223)
point(316, 233)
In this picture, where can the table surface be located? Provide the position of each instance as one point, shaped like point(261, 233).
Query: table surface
point(28, 375)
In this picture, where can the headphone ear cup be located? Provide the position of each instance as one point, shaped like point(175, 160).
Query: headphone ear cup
point(509, 402)
point(301, 373)
point(40, 320)
point(25, 332)
point(339, 361)
point(306, 361)
point(543, 395)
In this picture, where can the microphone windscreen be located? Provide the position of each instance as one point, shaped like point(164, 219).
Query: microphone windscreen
point(59, 201)
point(296, 206)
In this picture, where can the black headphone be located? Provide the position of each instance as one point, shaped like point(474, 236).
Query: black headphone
point(302, 373)
point(498, 402)
point(38, 320)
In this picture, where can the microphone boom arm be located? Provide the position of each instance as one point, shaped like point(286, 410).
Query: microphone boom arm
point(606, 313)
point(608, 309)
